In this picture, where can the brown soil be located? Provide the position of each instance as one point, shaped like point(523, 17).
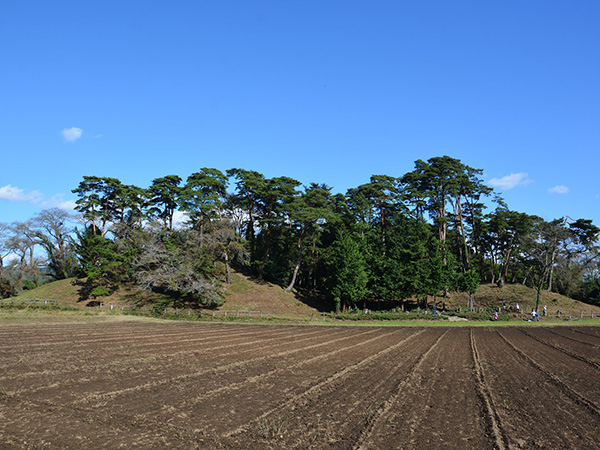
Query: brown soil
point(199, 385)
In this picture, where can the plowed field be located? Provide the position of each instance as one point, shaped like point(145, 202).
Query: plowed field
point(208, 386)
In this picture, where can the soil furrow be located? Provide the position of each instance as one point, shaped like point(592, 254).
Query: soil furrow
point(100, 381)
point(254, 387)
point(55, 385)
point(279, 382)
point(593, 332)
point(123, 341)
point(564, 388)
point(332, 413)
point(197, 374)
point(439, 405)
point(364, 441)
point(80, 429)
point(571, 338)
point(533, 411)
point(72, 366)
point(562, 349)
point(486, 398)
point(316, 390)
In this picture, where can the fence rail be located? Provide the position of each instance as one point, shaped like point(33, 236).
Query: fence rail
point(45, 301)
point(154, 309)
point(189, 311)
point(565, 315)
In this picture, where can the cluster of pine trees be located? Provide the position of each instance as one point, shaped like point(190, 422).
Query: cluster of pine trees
point(420, 235)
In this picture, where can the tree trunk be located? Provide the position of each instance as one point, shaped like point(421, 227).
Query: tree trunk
point(227, 271)
point(463, 244)
point(298, 262)
point(551, 271)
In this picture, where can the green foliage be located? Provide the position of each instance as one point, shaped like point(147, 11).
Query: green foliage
point(468, 282)
point(203, 196)
point(99, 291)
point(28, 285)
point(419, 235)
point(6, 288)
point(348, 274)
point(100, 258)
point(164, 197)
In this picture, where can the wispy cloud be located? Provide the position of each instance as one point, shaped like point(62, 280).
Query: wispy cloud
point(511, 181)
point(58, 201)
point(71, 134)
point(560, 189)
point(179, 218)
point(16, 194)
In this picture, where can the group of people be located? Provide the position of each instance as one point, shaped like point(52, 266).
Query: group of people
point(535, 316)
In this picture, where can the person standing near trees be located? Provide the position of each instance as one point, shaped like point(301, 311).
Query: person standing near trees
point(517, 308)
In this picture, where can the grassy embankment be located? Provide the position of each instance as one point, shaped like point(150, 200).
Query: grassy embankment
point(247, 294)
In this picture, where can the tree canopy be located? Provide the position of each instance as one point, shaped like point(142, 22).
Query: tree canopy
point(417, 235)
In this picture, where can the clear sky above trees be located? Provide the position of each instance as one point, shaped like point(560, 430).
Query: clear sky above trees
point(327, 92)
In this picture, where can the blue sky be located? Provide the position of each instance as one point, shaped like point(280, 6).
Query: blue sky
point(325, 91)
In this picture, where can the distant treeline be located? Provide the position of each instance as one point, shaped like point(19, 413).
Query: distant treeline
point(420, 235)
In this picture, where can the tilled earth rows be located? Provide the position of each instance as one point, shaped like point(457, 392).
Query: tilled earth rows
point(189, 385)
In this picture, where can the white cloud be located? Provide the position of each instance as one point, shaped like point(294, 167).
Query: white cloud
point(71, 134)
point(560, 189)
point(511, 181)
point(16, 194)
point(58, 201)
point(10, 257)
point(179, 218)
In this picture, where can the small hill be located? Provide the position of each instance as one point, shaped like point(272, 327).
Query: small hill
point(242, 294)
point(246, 293)
point(490, 295)
point(69, 293)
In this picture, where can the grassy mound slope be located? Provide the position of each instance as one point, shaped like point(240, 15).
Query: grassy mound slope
point(490, 295)
point(245, 293)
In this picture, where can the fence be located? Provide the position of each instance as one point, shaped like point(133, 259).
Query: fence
point(153, 309)
point(526, 311)
point(189, 311)
point(565, 315)
point(575, 315)
point(45, 301)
